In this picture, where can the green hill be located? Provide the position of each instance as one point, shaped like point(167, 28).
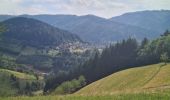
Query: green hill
point(6, 88)
point(13, 83)
point(19, 75)
point(150, 78)
point(29, 42)
point(31, 32)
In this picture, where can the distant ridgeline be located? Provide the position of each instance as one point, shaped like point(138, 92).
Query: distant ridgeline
point(95, 29)
point(28, 41)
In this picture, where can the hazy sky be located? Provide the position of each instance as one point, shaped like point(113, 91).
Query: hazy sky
point(103, 8)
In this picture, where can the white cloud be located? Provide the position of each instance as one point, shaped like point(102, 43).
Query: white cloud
point(105, 8)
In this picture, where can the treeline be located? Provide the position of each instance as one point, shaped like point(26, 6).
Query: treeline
point(70, 86)
point(119, 56)
point(10, 85)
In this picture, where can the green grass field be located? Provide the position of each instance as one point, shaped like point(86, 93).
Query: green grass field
point(19, 75)
point(140, 96)
point(143, 83)
point(150, 78)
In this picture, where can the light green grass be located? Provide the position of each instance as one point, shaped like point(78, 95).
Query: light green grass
point(150, 78)
point(19, 75)
point(141, 96)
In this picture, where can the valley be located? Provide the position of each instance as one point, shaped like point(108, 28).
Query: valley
point(85, 57)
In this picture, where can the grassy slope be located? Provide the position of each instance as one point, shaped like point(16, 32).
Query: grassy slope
point(6, 85)
point(143, 83)
point(19, 75)
point(135, 80)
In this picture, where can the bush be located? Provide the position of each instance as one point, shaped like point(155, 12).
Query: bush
point(71, 86)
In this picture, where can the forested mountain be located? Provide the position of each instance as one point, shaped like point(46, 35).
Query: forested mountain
point(28, 44)
point(5, 17)
point(158, 21)
point(31, 49)
point(35, 33)
point(95, 29)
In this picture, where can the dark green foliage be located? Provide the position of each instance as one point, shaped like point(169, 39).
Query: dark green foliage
point(40, 62)
point(144, 43)
point(151, 53)
point(70, 86)
point(9, 62)
point(117, 57)
point(53, 81)
point(166, 33)
point(10, 85)
point(35, 33)
point(27, 89)
point(7, 85)
point(164, 57)
point(27, 43)
point(2, 29)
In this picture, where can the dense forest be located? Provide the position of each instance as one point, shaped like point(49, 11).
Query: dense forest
point(28, 44)
point(23, 54)
point(119, 56)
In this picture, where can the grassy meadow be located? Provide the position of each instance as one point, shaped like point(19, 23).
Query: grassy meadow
point(19, 75)
point(151, 78)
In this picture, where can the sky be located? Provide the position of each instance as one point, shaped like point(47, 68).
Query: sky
point(102, 8)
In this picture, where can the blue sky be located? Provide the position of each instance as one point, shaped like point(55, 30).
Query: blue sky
point(103, 8)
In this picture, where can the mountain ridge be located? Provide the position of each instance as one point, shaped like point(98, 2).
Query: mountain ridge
point(96, 29)
point(32, 31)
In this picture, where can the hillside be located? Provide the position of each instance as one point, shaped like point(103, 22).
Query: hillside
point(27, 43)
point(150, 78)
point(5, 17)
point(152, 20)
point(13, 83)
point(19, 74)
point(32, 32)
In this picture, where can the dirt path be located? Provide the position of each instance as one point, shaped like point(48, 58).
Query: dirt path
point(153, 75)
